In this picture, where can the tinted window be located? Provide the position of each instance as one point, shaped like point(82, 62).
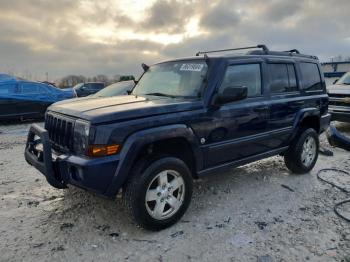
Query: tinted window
point(310, 76)
point(30, 88)
point(243, 75)
point(94, 86)
point(6, 89)
point(282, 78)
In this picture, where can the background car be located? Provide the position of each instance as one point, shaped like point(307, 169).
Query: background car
point(89, 88)
point(116, 89)
point(21, 99)
point(339, 99)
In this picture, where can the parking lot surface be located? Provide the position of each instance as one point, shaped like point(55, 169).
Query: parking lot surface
point(258, 212)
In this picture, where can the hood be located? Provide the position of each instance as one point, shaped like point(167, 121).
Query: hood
point(339, 89)
point(119, 108)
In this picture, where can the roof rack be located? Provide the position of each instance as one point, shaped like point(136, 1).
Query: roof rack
point(263, 47)
point(293, 52)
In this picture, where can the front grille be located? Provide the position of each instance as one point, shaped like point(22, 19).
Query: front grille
point(60, 130)
point(339, 95)
point(336, 101)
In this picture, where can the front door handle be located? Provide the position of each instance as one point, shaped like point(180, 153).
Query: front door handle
point(261, 109)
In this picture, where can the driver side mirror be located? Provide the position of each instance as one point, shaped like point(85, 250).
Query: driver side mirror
point(231, 94)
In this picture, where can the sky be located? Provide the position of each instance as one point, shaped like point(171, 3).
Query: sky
point(62, 37)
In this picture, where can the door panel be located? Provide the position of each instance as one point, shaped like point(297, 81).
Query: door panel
point(8, 101)
point(34, 99)
point(285, 100)
point(236, 129)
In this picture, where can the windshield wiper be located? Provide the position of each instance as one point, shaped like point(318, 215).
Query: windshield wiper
point(160, 94)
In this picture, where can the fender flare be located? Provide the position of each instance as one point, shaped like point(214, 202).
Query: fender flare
point(135, 142)
point(301, 115)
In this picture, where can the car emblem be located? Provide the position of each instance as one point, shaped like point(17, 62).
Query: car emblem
point(346, 100)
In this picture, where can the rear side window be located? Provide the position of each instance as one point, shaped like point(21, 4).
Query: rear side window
point(310, 76)
point(94, 86)
point(282, 78)
point(30, 88)
point(7, 89)
point(243, 75)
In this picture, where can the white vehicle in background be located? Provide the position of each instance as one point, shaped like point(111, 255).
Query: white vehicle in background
point(116, 89)
point(339, 99)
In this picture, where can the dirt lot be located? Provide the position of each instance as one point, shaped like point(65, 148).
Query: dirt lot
point(259, 212)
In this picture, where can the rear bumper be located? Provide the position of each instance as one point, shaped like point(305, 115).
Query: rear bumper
point(59, 169)
point(324, 122)
point(340, 113)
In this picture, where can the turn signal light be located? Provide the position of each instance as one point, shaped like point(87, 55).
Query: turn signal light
point(102, 150)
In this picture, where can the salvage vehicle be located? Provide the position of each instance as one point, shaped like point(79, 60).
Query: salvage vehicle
point(339, 99)
point(88, 88)
point(184, 119)
point(116, 89)
point(22, 99)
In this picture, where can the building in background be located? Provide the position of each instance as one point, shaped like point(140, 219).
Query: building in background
point(334, 70)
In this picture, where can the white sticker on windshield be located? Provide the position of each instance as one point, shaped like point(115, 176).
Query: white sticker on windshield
point(191, 67)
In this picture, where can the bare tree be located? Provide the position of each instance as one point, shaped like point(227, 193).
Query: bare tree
point(71, 80)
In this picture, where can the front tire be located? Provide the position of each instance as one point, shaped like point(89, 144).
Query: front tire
point(302, 154)
point(158, 192)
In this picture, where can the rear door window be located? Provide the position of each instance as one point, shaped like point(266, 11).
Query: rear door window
point(282, 78)
point(32, 88)
point(7, 89)
point(94, 86)
point(311, 77)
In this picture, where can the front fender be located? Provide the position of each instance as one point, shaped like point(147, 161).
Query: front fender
point(135, 142)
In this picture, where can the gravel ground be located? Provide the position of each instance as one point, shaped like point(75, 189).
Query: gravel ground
point(259, 212)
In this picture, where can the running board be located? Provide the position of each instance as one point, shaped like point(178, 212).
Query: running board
point(227, 166)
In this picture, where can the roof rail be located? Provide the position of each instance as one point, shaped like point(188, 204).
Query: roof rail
point(263, 47)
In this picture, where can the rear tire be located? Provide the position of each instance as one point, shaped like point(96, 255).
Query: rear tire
point(302, 154)
point(158, 191)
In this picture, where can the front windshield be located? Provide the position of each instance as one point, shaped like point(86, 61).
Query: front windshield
point(77, 86)
point(344, 80)
point(173, 79)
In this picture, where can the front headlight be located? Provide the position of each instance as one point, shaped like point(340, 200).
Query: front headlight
point(81, 136)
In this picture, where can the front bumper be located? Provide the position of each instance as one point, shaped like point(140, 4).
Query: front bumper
point(337, 139)
point(340, 113)
point(94, 174)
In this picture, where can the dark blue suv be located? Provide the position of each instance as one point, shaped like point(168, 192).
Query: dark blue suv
point(184, 119)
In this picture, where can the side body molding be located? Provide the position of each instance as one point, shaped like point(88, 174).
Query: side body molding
point(137, 140)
